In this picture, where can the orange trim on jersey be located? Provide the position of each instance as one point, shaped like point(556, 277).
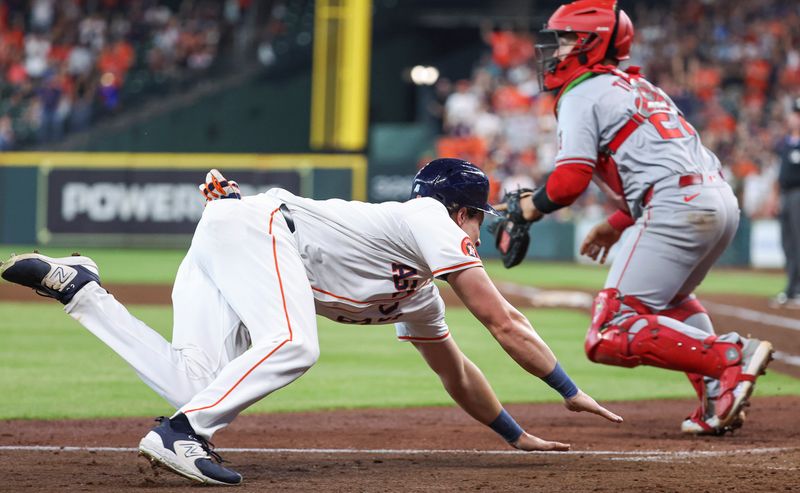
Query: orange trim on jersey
point(454, 267)
point(288, 324)
point(408, 293)
point(427, 339)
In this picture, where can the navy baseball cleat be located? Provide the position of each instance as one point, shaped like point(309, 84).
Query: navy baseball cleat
point(186, 454)
point(58, 278)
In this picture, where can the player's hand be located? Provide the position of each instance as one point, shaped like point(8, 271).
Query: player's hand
point(530, 443)
point(599, 240)
point(583, 402)
point(217, 187)
point(528, 211)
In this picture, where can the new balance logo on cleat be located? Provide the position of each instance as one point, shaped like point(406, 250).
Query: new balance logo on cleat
point(59, 278)
point(186, 454)
point(191, 449)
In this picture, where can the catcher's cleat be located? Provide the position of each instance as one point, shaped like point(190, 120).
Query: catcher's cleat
point(737, 384)
point(186, 454)
point(709, 424)
point(735, 392)
point(58, 278)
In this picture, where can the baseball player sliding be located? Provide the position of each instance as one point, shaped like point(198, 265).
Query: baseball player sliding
point(258, 271)
point(618, 128)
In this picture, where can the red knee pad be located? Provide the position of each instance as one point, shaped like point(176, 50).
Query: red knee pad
point(606, 343)
point(684, 309)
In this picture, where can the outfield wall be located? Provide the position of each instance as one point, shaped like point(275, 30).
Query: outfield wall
point(151, 200)
point(138, 199)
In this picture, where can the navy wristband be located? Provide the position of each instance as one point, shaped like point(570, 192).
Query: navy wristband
point(506, 427)
point(560, 381)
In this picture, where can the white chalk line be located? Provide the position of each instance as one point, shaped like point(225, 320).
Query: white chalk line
point(352, 451)
point(754, 315)
point(534, 296)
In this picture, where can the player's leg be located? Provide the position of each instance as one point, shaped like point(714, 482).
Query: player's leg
point(791, 229)
point(728, 224)
point(252, 257)
point(174, 374)
point(660, 253)
point(651, 269)
point(622, 337)
point(690, 311)
point(246, 249)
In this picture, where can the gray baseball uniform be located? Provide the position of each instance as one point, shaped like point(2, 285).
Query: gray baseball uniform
point(686, 215)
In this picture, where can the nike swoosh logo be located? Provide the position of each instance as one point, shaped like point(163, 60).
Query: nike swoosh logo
point(689, 198)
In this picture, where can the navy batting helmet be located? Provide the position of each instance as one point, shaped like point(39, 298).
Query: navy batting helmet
point(455, 183)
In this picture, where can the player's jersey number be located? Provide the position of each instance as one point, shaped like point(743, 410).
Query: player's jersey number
point(659, 110)
point(670, 125)
point(405, 286)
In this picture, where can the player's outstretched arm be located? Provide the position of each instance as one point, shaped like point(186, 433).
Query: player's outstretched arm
point(516, 335)
point(510, 327)
point(467, 385)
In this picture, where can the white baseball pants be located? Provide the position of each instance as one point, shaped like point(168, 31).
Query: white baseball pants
point(244, 318)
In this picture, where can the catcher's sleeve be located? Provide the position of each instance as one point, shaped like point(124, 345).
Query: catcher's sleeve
point(564, 185)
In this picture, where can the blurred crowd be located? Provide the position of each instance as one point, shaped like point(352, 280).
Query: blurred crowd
point(732, 66)
point(65, 63)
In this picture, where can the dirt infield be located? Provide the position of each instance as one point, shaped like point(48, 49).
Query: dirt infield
point(432, 449)
point(439, 449)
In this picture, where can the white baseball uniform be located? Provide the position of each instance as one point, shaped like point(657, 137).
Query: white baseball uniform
point(247, 292)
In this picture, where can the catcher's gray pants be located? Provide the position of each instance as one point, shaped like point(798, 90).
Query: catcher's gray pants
point(790, 237)
point(671, 248)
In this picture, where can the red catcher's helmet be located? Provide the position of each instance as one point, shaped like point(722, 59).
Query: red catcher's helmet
point(603, 30)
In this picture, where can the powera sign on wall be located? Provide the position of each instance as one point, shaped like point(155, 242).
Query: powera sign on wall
point(138, 202)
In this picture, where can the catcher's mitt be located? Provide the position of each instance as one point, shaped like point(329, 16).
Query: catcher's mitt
point(511, 232)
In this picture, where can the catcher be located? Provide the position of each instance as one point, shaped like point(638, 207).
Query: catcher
point(619, 129)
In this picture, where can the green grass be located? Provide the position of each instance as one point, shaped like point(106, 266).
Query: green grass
point(591, 277)
point(53, 368)
point(141, 266)
point(159, 267)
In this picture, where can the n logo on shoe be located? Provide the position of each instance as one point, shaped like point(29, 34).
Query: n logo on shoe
point(59, 276)
point(192, 450)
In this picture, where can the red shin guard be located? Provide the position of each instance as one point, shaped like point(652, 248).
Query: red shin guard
point(664, 347)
